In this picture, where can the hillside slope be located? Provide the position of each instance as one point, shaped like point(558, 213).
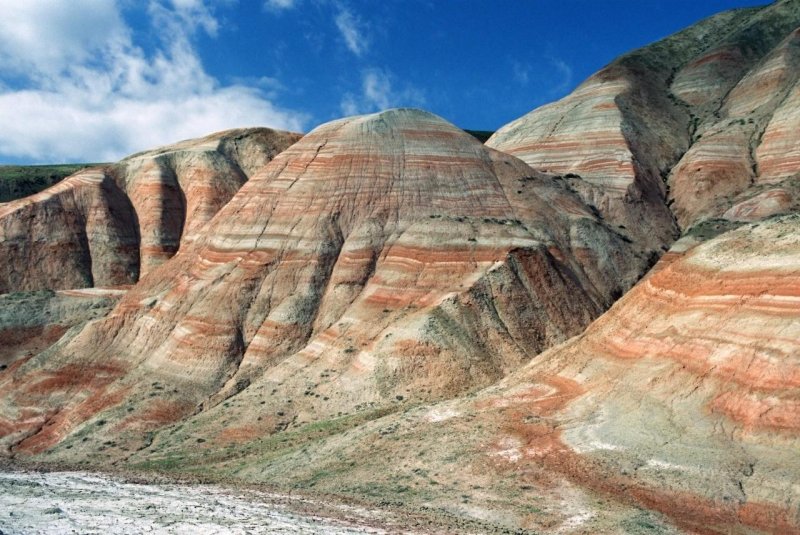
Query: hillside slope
point(389, 310)
point(694, 127)
point(107, 226)
point(382, 258)
point(675, 411)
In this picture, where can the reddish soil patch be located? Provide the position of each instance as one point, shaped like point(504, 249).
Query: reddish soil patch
point(62, 422)
point(156, 414)
point(74, 376)
point(238, 435)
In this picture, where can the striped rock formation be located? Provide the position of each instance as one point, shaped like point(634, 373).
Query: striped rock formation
point(383, 257)
point(108, 226)
point(684, 396)
point(677, 411)
point(32, 321)
point(701, 121)
point(745, 159)
point(295, 332)
point(80, 232)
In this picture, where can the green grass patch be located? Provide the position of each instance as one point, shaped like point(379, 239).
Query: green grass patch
point(189, 458)
point(711, 228)
point(286, 441)
point(165, 464)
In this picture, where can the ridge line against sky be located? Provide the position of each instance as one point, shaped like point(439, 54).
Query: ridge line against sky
point(95, 80)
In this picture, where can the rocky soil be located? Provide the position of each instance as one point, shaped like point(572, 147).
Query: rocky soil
point(77, 502)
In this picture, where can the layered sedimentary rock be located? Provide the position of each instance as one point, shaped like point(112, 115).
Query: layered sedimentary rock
point(745, 148)
point(778, 154)
point(684, 396)
point(296, 331)
point(582, 136)
point(80, 232)
point(693, 121)
point(110, 225)
point(381, 258)
point(682, 400)
point(32, 321)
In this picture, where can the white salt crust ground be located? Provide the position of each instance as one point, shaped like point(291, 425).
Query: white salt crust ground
point(75, 502)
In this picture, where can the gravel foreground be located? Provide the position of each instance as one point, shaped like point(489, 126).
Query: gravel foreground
point(77, 502)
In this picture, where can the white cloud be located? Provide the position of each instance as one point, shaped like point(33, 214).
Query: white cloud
point(564, 71)
point(42, 37)
point(521, 72)
point(51, 126)
point(378, 93)
point(83, 90)
point(353, 31)
point(188, 14)
point(377, 88)
point(278, 5)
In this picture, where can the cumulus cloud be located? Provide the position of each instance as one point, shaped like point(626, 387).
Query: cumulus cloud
point(378, 93)
point(75, 86)
point(353, 31)
point(42, 38)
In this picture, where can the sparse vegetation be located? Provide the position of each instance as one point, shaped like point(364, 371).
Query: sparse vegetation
point(711, 228)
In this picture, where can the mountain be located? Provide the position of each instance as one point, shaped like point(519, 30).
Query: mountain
point(676, 411)
point(107, 226)
point(587, 325)
point(694, 127)
point(383, 258)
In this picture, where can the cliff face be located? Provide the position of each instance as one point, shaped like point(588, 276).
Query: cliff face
point(383, 257)
point(108, 226)
point(699, 122)
point(80, 232)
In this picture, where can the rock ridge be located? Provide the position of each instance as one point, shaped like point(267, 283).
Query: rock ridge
point(107, 226)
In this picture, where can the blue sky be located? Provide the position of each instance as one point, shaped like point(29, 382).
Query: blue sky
point(94, 80)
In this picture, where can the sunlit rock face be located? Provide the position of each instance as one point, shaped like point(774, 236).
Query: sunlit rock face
point(381, 257)
point(685, 395)
point(583, 137)
point(700, 122)
point(743, 162)
point(108, 226)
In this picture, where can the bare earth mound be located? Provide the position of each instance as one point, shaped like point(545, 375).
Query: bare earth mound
point(681, 400)
point(381, 259)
